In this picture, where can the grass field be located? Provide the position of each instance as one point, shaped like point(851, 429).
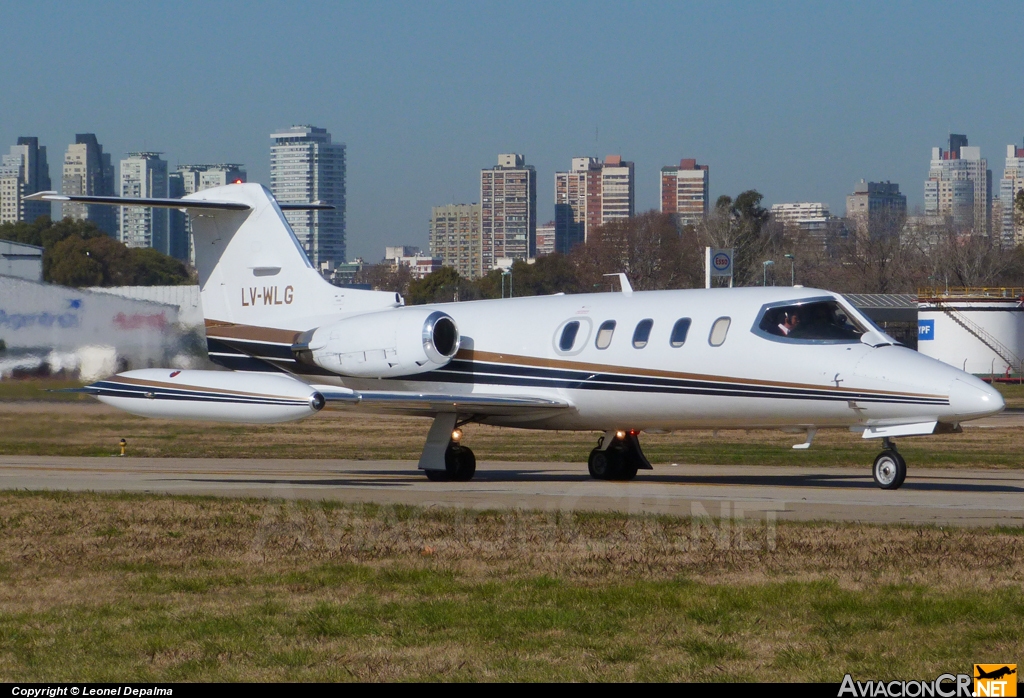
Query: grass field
point(149, 588)
point(142, 588)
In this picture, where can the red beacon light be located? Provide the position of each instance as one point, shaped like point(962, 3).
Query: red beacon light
point(237, 181)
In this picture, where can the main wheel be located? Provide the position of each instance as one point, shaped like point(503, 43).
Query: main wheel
point(626, 471)
point(890, 470)
point(603, 464)
point(465, 463)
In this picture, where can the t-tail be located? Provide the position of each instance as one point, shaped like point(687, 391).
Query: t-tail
point(252, 269)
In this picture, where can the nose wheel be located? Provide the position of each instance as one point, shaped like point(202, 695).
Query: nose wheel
point(890, 470)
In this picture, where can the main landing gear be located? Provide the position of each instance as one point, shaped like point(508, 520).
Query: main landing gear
point(617, 457)
point(459, 464)
point(890, 470)
point(444, 458)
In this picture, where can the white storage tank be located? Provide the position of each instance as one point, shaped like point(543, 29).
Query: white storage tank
point(978, 330)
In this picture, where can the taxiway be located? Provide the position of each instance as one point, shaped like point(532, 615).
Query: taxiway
point(929, 496)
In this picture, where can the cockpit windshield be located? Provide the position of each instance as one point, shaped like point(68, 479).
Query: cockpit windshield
point(813, 320)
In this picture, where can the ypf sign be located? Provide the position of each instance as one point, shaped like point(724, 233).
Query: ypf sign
point(717, 262)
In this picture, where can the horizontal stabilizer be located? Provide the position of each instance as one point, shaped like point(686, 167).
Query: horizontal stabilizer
point(168, 203)
point(125, 201)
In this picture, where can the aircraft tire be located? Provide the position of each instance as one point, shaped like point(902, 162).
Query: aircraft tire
point(438, 475)
point(602, 464)
point(465, 463)
point(626, 471)
point(890, 470)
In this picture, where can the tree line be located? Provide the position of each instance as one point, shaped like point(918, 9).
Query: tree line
point(656, 253)
point(77, 253)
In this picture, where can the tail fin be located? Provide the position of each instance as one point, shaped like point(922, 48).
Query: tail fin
point(253, 271)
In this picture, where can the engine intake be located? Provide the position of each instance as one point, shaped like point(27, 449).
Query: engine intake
point(384, 344)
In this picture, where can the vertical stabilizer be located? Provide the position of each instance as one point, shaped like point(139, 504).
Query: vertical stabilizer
point(253, 271)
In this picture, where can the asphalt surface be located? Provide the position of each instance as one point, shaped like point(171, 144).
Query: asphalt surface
point(932, 496)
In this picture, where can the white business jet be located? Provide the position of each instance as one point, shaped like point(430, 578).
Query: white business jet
point(794, 359)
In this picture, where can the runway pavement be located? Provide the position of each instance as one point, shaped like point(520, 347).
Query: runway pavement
point(935, 496)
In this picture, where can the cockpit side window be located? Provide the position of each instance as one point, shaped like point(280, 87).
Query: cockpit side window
point(642, 333)
point(817, 320)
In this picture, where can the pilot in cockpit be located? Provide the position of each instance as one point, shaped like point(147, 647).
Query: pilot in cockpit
point(788, 323)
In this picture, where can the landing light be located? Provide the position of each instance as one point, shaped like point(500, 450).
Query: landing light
point(457, 435)
point(620, 435)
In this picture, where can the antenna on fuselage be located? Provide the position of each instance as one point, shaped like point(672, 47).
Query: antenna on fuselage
point(623, 282)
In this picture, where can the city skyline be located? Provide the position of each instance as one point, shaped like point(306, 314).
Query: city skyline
point(798, 101)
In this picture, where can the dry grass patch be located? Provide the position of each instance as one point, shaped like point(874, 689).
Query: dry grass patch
point(92, 429)
point(96, 587)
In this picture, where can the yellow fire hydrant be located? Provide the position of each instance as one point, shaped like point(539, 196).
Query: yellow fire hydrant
point(124, 445)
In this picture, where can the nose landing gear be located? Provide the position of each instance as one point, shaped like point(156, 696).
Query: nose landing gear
point(620, 459)
point(890, 470)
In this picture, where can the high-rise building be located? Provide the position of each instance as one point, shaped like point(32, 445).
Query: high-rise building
point(88, 171)
point(199, 177)
point(959, 185)
point(577, 203)
point(455, 238)
point(875, 206)
point(545, 239)
point(188, 179)
point(23, 171)
point(144, 175)
point(617, 189)
point(305, 167)
point(508, 211)
point(1012, 182)
point(592, 193)
point(684, 191)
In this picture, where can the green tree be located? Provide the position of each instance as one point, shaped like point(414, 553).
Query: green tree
point(554, 273)
point(385, 277)
point(443, 286)
point(77, 253)
point(740, 224)
point(148, 267)
point(70, 263)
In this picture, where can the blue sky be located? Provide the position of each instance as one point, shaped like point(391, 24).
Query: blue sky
point(796, 100)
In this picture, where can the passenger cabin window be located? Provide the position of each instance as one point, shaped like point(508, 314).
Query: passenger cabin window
point(679, 331)
point(604, 334)
point(819, 321)
point(568, 337)
point(642, 333)
point(718, 331)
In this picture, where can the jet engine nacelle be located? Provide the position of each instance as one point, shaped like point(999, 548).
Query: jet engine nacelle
point(218, 396)
point(385, 344)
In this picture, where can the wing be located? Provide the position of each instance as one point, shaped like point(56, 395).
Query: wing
point(430, 404)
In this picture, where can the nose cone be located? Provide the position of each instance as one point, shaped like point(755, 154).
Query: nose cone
point(970, 398)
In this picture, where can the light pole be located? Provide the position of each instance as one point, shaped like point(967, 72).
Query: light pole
point(764, 271)
point(508, 273)
point(792, 269)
